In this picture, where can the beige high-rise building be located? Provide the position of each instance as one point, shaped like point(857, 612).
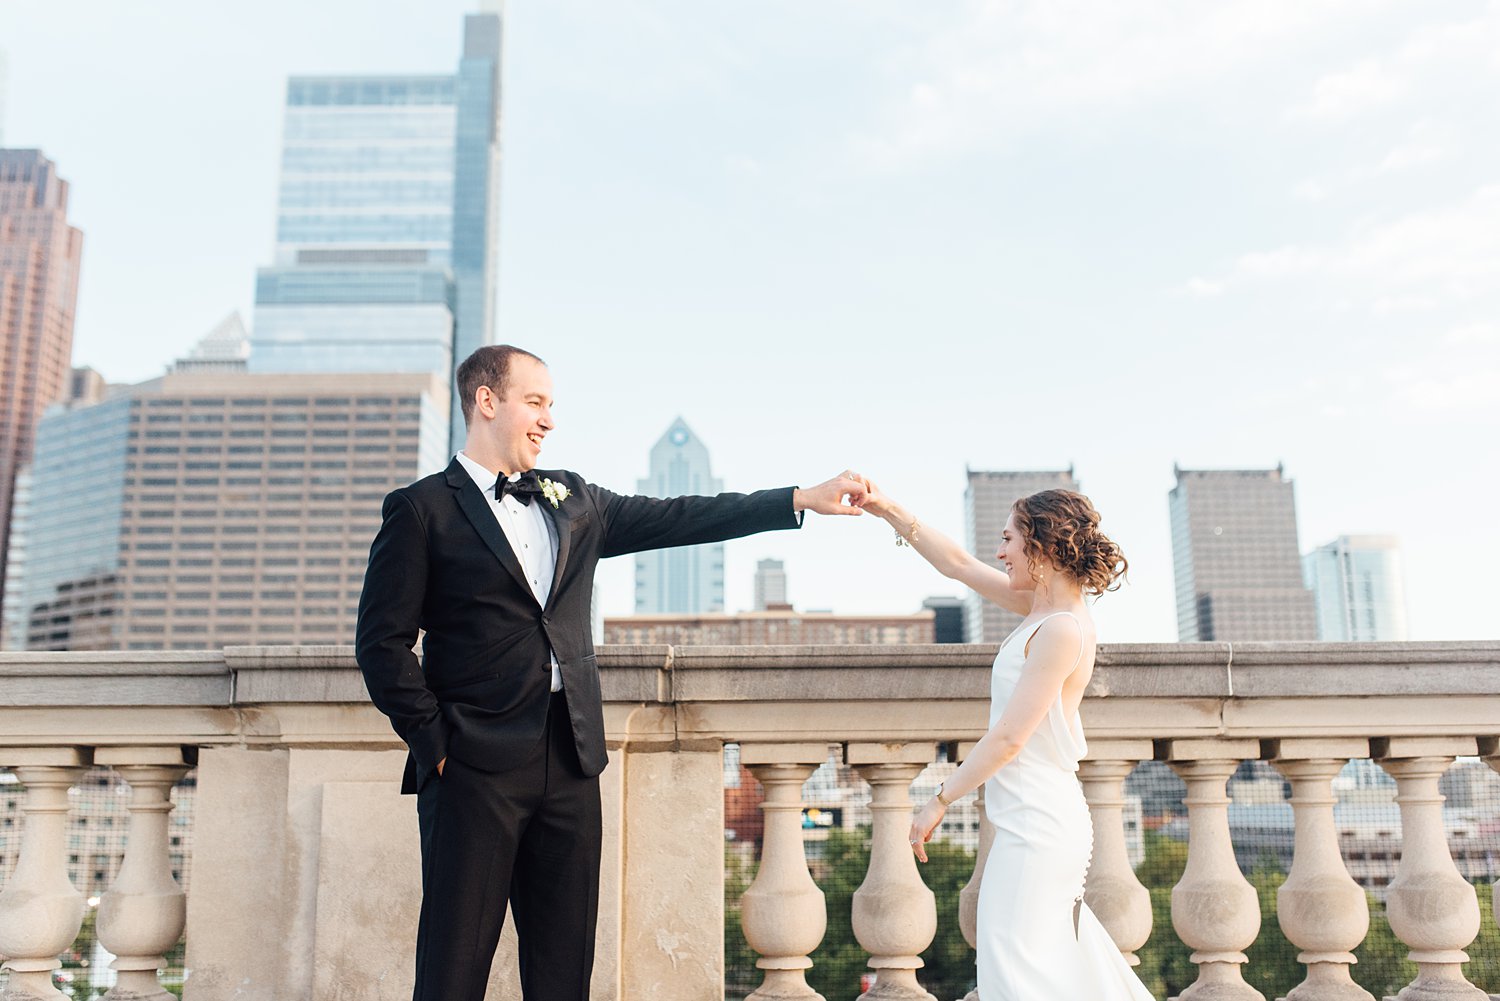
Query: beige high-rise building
point(221, 508)
point(987, 502)
point(1235, 557)
point(39, 260)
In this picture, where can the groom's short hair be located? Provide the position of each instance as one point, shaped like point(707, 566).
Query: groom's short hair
point(488, 366)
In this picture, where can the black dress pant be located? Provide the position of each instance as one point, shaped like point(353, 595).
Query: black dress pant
point(529, 835)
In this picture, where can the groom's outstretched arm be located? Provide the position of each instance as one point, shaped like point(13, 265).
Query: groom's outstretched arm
point(634, 524)
point(390, 617)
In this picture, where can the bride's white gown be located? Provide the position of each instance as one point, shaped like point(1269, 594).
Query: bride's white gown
point(1029, 949)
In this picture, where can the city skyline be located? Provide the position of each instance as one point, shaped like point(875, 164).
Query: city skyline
point(1234, 223)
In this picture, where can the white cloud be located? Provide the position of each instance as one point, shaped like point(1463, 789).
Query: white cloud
point(1446, 254)
point(1475, 389)
point(1310, 190)
point(1366, 85)
point(1473, 333)
point(1451, 56)
point(1203, 288)
point(742, 165)
point(1006, 62)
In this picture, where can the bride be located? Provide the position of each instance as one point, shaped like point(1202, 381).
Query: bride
point(1037, 940)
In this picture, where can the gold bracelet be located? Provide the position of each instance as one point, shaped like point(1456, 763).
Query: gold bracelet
point(939, 796)
point(901, 540)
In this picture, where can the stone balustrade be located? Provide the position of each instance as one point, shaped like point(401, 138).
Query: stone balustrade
point(305, 879)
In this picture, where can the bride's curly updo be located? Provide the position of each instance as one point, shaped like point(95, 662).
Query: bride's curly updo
point(1062, 528)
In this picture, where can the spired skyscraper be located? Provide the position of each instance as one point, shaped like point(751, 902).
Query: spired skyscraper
point(387, 221)
point(1235, 557)
point(688, 579)
point(1357, 587)
point(987, 502)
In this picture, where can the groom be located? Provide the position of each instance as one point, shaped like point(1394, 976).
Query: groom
point(502, 715)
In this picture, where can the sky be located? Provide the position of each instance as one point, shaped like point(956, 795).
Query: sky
point(907, 239)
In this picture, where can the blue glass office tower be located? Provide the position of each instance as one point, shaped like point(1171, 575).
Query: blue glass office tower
point(387, 221)
point(1358, 589)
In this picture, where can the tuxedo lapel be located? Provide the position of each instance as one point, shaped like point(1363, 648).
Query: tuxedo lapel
point(562, 522)
point(477, 510)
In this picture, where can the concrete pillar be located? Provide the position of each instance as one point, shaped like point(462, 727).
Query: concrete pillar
point(306, 877)
point(1117, 898)
point(1431, 907)
point(141, 915)
point(782, 912)
point(1215, 910)
point(40, 910)
point(672, 920)
point(968, 897)
point(1321, 909)
point(894, 913)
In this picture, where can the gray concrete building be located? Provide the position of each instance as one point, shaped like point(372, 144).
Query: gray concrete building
point(221, 508)
point(770, 585)
point(1236, 561)
point(987, 501)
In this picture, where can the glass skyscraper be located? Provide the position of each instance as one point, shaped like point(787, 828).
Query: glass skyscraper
point(687, 579)
point(1356, 582)
point(387, 221)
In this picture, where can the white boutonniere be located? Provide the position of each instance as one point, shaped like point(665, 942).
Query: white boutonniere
point(555, 492)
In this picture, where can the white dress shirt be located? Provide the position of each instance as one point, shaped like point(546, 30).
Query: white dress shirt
point(530, 534)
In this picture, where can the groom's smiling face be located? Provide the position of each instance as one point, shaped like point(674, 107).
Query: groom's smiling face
point(523, 417)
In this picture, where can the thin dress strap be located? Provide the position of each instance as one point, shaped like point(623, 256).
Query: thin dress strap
point(1026, 647)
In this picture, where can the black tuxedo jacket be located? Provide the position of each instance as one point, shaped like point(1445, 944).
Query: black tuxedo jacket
point(441, 564)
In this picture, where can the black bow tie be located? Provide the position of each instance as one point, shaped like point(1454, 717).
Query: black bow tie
point(523, 487)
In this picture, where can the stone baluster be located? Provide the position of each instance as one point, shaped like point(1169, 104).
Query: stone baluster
point(142, 914)
point(40, 910)
point(1215, 910)
point(968, 897)
point(1321, 909)
point(1431, 907)
point(782, 912)
point(1117, 898)
point(894, 913)
point(1489, 748)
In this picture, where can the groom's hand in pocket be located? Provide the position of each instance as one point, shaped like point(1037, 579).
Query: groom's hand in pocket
point(440, 767)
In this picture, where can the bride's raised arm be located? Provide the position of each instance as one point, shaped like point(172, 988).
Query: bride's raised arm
point(946, 556)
